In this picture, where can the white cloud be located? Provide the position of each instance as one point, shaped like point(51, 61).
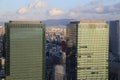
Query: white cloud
point(23, 10)
point(73, 14)
point(38, 4)
point(100, 12)
point(56, 12)
point(99, 9)
point(31, 6)
point(43, 10)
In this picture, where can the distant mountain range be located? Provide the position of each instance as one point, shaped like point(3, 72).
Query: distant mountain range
point(53, 22)
point(56, 22)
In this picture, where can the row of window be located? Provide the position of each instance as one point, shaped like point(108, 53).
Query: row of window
point(25, 26)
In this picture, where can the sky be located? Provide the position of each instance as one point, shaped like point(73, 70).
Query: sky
point(59, 9)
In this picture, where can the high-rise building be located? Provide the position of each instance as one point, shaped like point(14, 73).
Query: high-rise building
point(59, 72)
point(2, 31)
point(115, 38)
point(25, 57)
point(87, 50)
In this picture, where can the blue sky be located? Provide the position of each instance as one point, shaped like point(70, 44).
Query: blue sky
point(59, 9)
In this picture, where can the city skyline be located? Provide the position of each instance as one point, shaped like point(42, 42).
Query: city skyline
point(49, 9)
point(93, 56)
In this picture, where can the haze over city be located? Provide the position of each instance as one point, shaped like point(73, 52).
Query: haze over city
point(59, 9)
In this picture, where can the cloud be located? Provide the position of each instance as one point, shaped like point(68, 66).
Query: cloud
point(103, 8)
point(114, 8)
point(56, 12)
point(30, 7)
point(73, 14)
point(99, 9)
point(109, 9)
point(38, 4)
point(23, 10)
point(40, 10)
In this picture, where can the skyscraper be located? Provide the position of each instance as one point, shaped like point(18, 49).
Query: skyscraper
point(25, 57)
point(115, 38)
point(59, 72)
point(87, 51)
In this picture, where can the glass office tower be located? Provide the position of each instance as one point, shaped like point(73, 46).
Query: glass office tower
point(115, 39)
point(90, 57)
point(25, 57)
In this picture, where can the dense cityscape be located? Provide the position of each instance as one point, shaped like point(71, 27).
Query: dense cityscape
point(60, 54)
point(55, 53)
point(59, 39)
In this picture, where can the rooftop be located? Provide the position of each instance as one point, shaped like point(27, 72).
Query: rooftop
point(25, 22)
point(88, 21)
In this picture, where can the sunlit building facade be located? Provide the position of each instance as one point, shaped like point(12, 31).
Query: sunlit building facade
point(25, 57)
point(91, 50)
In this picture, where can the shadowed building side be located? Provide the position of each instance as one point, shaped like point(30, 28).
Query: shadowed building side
point(115, 38)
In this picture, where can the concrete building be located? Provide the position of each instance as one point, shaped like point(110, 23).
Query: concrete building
point(2, 31)
point(59, 72)
point(87, 53)
point(25, 56)
point(64, 33)
point(115, 38)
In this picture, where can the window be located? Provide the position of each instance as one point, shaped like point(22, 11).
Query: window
point(88, 56)
point(82, 46)
point(94, 72)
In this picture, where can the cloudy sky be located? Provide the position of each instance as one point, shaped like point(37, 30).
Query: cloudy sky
point(59, 9)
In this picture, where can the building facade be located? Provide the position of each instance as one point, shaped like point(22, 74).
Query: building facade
point(59, 72)
point(25, 57)
point(89, 51)
point(115, 38)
